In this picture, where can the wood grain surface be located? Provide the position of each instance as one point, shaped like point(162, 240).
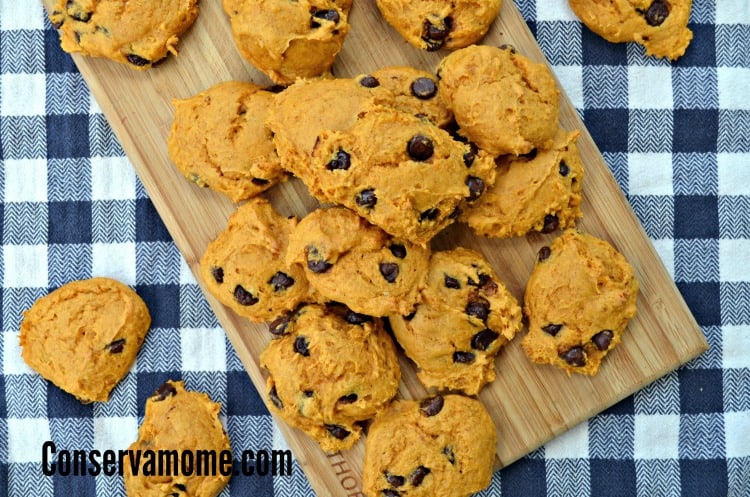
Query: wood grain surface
point(530, 404)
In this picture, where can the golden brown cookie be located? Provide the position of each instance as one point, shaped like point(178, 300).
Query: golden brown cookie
point(348, 260)
point(84, 336)
point(435, 24)
point(308, 107)
point(244, 266)
point(400, 172)
point(180, 421)
point(659, 25)
point(442, 445)
point(578, 301)
point(501, 100)
point(414, 91)
point(289, 40)
point(139, 33)
point(465, 316)
point(536, 192)
point(330, 369)
point(219, 140)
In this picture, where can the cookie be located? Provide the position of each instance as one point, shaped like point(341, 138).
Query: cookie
point(659, 25)
point(502, 101)
point(400, 172)
point(536, 192)
point(414, 91)
point(435, 24)
point(289, 40)
point(578, 301)
point(442, 445)
point(219, 140)
point(348, 260)
point(179, 421)
point(330, 369)
point(84, 336)
point(308, 107)
point(139, 34)
point(465, 316)
point(244, 266)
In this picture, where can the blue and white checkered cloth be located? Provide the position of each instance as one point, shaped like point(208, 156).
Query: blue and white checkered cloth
point(676, 136)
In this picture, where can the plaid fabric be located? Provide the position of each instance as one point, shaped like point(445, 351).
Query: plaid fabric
point(676, 135)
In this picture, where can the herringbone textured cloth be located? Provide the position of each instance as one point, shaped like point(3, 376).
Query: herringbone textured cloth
point(676, 136)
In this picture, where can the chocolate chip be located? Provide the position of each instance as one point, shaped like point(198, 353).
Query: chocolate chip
point(434, 36)
point(389, 270)
point(341, 160)
point(369, 82)
point(279, 325)
point(552, 329)
point(423, 88)
point(471, 154)
point(574, 356)
point(328, 15)
point(398, 250)
point(463, 357)
point(137, 60)
point(165, 390)
point(81, 16)
point(352, 317)
point(319, 266)
point(657, 13)
point(476, 187)
point(366, 198)
point(564, 169)
point(180, 487)
point(544, 253)
point(452, 282)
point(308, 393)
point(394, 480)
point(448, 452)
point(274, 396)
point(281, 281)
point(348, 399)
point(410, 316)
point(275, 88)
point(483, 339)
point(603, 339)
point(259, 181)
point(507, 46)
point(218, 274)
point(429, 214)
point(420, 148)
point(337, 431)
point(390, 493)
point(301, 346)
point(431, 406)
point(479, 307)
point(243, 297)
point(531, 155)
point(116, 346)
point(551, 223)
point(416, 477)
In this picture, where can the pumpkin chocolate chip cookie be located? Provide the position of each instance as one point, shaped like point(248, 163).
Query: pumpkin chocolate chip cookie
point(219, 140)
point(181, 421)
point(84, 336)
point(442, 445)
point(502, 101)
point(400, 172)
point(244, 266)
point(465, 316)
point(330, 369)
point(540, 191)
point(348, 260)
point(659, 25)
point(289, 40)
point(139, 33)
point(435, 24)
point(578, 301)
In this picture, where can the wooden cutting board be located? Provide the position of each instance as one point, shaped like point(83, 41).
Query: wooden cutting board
point(530, 404)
